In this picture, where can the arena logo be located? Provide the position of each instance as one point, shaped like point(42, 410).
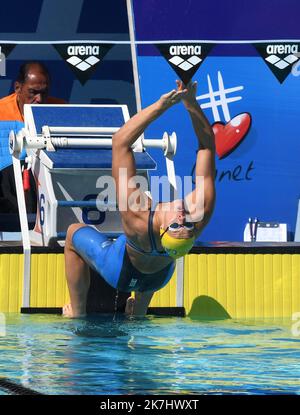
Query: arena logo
point(194, 53)
point(185, 59)
point(280, 58)
point(92, 53)
point(83, 58)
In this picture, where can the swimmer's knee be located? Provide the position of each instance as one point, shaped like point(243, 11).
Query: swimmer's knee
point(71, 230)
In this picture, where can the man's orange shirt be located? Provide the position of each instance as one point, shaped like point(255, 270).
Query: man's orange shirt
point(9, 110)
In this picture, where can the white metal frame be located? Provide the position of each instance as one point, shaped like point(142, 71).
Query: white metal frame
point(24, 230)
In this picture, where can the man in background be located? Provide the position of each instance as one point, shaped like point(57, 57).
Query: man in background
point(31, 87)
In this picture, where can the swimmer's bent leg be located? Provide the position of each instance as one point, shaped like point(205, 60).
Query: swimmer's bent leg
point(100, 253)
point(78, 278)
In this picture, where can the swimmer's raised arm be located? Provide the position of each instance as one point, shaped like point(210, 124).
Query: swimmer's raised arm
point(205, 161)
point(123, 140)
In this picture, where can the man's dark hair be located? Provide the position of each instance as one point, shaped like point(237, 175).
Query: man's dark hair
point(25, 69)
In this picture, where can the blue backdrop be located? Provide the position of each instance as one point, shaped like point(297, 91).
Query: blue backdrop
point(260, 178)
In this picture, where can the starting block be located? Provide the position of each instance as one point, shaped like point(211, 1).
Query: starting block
point(68, 150)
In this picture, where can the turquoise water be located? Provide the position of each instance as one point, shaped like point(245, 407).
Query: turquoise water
point(153, 355)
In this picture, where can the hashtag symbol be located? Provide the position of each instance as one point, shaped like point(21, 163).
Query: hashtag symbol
point(219, 98)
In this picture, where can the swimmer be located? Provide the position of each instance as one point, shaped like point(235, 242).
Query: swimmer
point(143, 258)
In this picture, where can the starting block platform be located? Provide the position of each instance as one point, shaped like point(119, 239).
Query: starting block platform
point(106, 116)
point(91, 159)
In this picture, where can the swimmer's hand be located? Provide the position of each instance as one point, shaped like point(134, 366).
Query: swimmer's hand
point(171, 98)
point(138, 305)
point(189, 97)
point(129, 309)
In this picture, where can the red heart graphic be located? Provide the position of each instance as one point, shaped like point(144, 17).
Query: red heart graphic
point(228, 136)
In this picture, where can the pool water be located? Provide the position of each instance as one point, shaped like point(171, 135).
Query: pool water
point(152, 355)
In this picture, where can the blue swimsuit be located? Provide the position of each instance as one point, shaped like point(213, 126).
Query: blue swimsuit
point(110, 259)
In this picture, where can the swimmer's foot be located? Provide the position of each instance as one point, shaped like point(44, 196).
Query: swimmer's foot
point(67, 311)
point(129, 309)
